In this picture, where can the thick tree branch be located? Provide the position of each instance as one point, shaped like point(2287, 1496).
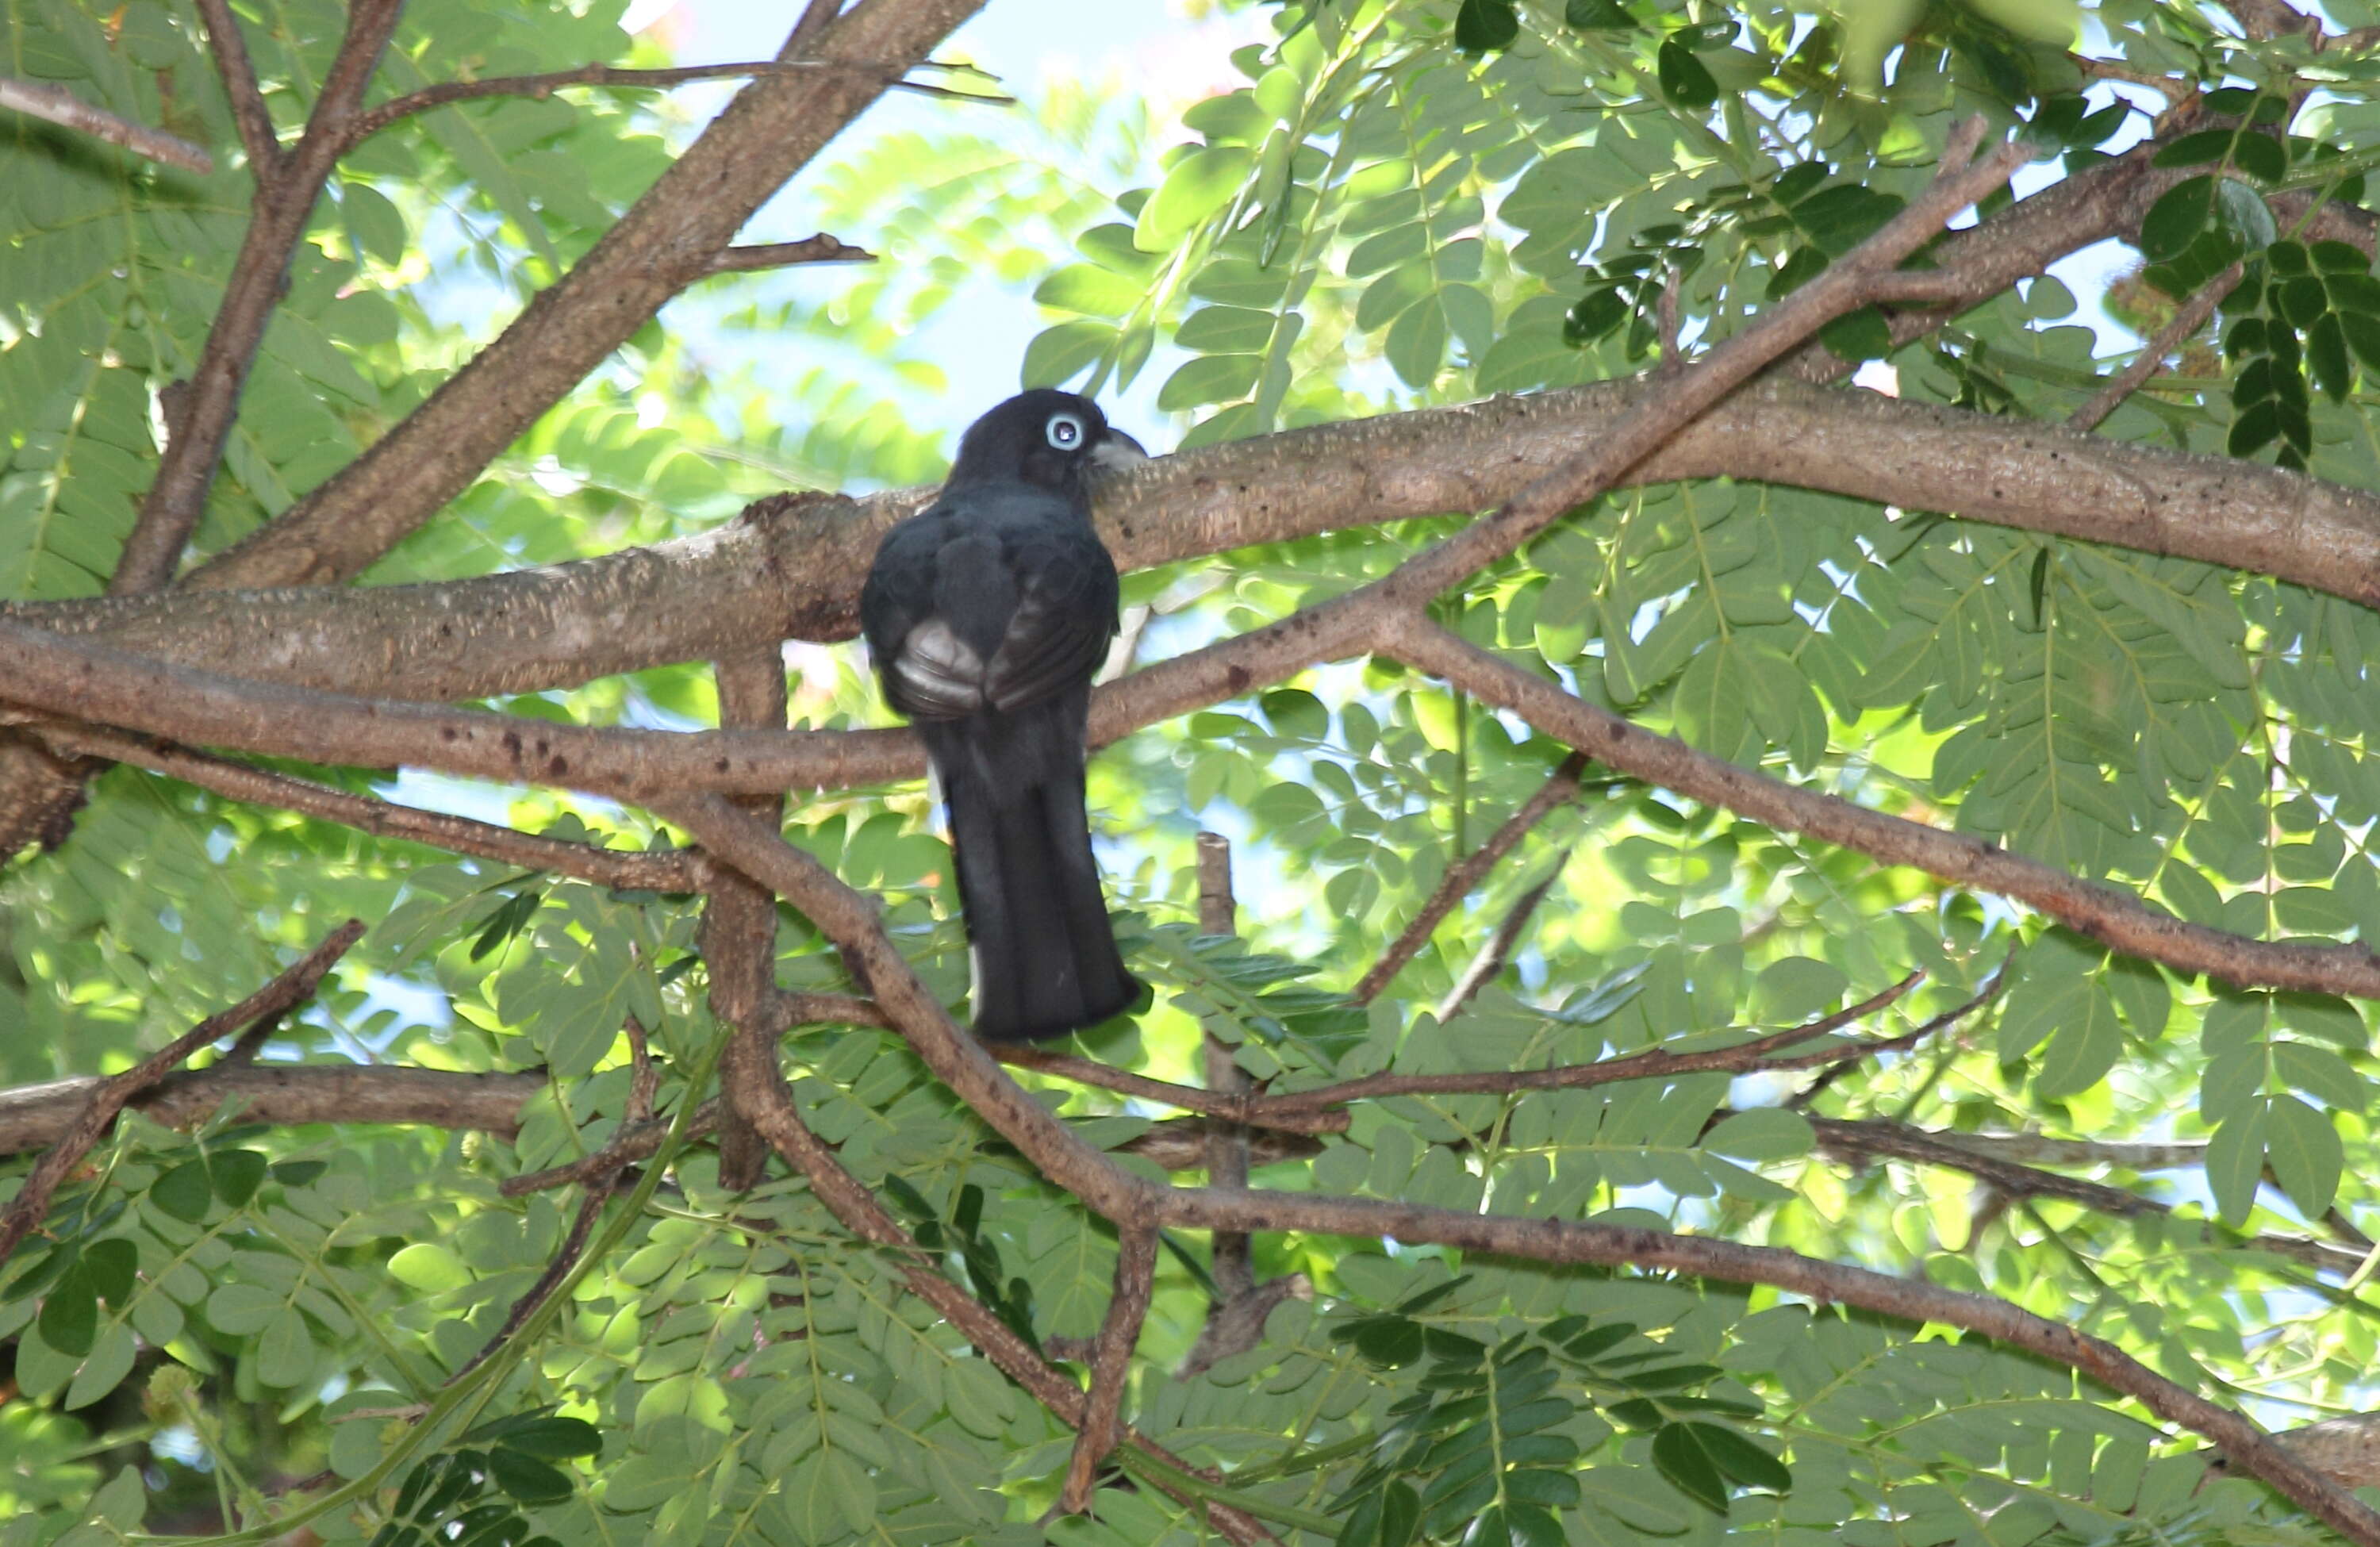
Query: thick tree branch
point(739, 931)
point(1464, 875)
point(57, 105)
point(32, 1116)
point(48, 672)
point(292, 987)
point(791, 567)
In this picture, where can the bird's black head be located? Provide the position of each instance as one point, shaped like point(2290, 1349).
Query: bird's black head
point(1044, 437)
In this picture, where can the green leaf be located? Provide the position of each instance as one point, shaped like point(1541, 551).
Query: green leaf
point(1765, 1133)
point(531, 1480)
point(554, 1438)
point(1591, 16)
point(69, 1318)
point(1684, 79)
point(235, 1175)
point(1864, 334)
point(2305, 1152)
point(2235, 1163)
point(1485, 26)
point(1199, 184)
point(2177, 219)
point(113, 1266)
point(1681, 1455)
point(1210, 379)
point(1741, 1460)
point(2195, 149)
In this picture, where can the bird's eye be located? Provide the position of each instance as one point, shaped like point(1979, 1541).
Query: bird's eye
point(1066, 432)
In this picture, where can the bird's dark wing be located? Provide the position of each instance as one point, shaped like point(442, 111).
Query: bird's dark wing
point(1066, 615)
point(994, 598)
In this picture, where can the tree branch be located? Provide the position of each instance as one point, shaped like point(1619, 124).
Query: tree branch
point(1860, 1142)
point(2108, 915)
point(739, 932)
point(537, 88)
point(1461, 877)
point(628, 870)
point(2249, 1448)
point(1753, 1054)
point(281, 204)
point(962, 1064)
point(57, 105)
point(292, 987)
point(667, 240)
point(820, 248)
point(582, 1228)
point(1498, 949)
point(248, 110)
point(1227, 1143)
point(770, 1105)
point(2150, 359)
point(1136, 1273)
point(791, 567)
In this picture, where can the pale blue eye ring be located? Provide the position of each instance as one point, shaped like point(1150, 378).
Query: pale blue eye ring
point(1066, 432)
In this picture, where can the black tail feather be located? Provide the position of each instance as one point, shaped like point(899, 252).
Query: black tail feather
point(1045, 956)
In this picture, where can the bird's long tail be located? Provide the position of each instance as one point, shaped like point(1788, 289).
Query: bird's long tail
point(1045, 954)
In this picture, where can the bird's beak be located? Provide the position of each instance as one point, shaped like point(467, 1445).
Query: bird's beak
point(1117, 450)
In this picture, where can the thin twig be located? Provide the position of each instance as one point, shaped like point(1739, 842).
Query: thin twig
point(1666, 314)
point(1754, 1055)
point(582, 1229)
point(2104, 913)
point(1867, 1140)
point(248, 110)
point(291, 988)
point(57, 105)
point(1461, 877)
point(2167, 87)
point(2150, 359)
point(537, 88)
point(1498, 949)
point(1227, 1143)
point(654, 871)
point(1957, 1013)
point(281, 208)
point(1110, 1363)
point(819, 249)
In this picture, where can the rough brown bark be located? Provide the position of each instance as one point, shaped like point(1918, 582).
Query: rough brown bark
point(791, 567)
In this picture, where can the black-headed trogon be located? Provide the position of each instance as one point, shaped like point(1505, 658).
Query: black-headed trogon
point(987, 614)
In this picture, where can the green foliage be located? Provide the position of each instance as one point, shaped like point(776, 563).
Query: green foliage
point(1398, 206)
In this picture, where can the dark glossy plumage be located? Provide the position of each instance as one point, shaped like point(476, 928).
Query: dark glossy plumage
point(987, 614)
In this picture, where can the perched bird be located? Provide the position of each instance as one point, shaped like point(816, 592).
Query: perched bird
point(988, 613)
